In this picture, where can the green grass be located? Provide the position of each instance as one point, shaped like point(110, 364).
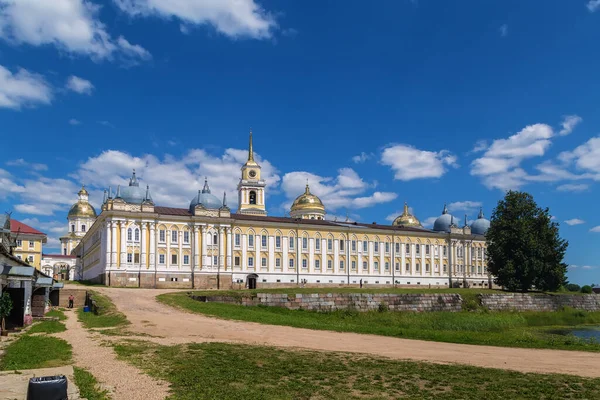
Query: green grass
point(510, 329)
point(108, 315)
point(88, 385)
point(57, 313)
point(230, 371)
point(42, 351)
point(47, 327)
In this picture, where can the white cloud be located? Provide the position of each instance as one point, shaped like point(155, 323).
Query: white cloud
point(106, 123)
point(573, 187)
point(480, 145)
point(233, 18)
point(569, 123)
point(573, 266)
point(595, 229)
point(585, 157)
point(428, 222)
point(135, 51)
point(552, 218)
point(54, 230)
point(410, 163)
point(22, 163)
point(74, 121)
point(362, 157)
point(467, 205)
point(79, 85)
point(574, 221)
point(343, 191)
point(70, 25)
point(23, 88)
point(503, 30)
point(593, 5)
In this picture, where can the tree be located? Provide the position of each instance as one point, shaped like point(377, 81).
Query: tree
point(6, 306)
point(524, 247)
point(572, 287)
point(586, 289)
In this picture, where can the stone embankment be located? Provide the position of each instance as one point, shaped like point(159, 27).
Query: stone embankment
point(409, 301)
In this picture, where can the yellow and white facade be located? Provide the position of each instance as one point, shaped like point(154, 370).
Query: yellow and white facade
point(134, 242)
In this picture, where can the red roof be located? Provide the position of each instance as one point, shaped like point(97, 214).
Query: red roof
point(17, 226)
point(57, 256)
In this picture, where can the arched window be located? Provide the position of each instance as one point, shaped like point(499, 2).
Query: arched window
point(252, 197)
point(73, 228)
point(129, 232)
point(65, 251)
point(137, 235)
point(82, 228)
point(215, 239)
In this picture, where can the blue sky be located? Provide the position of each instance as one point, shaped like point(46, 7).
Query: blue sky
point(375, 104)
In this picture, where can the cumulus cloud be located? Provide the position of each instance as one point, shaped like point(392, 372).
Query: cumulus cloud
point(467, 206)
point(593, 5)
point(70, 25)
point(573, 187)
point(569, 123)
point(362, 157)
point(410, 163)
point(79, 85)
point(346, 190)
point(22, 88)
point(573, 266)
point(595, 229)
point(480, 146)
point(233, 18)
point(22, 163)
point(503, 30)
point(74, 121)
point(574, 221)
point(585, 157)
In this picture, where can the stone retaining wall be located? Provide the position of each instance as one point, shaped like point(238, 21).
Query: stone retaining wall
point(342, 301)
point(539, 302)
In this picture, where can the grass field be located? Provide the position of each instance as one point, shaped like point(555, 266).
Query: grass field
point(108, 315)
point(47, 327)
point(29, 352)
point(510, 329)
point(57, 313)
point(229, 371)
point(88, 385)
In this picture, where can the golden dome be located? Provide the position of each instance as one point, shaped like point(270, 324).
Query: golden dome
point(407, 219)
point(83, 192)
point(82, 209)
point(308, 201)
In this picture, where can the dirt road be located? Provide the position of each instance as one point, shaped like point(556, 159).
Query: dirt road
point(176, 326)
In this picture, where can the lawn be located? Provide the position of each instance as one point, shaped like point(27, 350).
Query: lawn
point(47, 327)
point(57, 313)
point(42, 351)
point(88, 385)
point(108, 315)
point(510, 329)
point(230, 371)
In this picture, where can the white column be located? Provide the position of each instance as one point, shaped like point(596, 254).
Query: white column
point(359, 266)
point(370, 261)
point(152, 245)
point(244, 253)
point(222, 248)
point(144, 242)
point(323, 256)
point(413, 255)
point(423, 259)
point(108, 243)
point(285, 262)
point(229, 249)
point(311, 254)
point(203, 256)
point(402, 259)
point(179, 248)
point(196, 247)
point(123, 255)
point(432, 260)
point(336, 256)
point(168, 240)
point(113, 257)
point(257, 258)
point(271, 260)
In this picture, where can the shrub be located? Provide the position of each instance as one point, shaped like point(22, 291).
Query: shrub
point(383, 307)
point(573, 287)
point(586, 289)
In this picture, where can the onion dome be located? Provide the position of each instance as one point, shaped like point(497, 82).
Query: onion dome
point(444, 221)
point(82, 209)
point(481, 225)
point(133, 193)
point(205, 199)
point(307, 205)
point(407, 219)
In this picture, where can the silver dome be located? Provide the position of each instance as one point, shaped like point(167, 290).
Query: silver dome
point(133, 193)
point(443, 222)
point(481, 225)
point(206, 199)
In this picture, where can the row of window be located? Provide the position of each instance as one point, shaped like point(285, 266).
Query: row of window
point(73, 228)
point(31, 243)
point(29, 258)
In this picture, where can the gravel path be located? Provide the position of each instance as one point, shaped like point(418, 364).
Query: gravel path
point(124, 381)
point(176, 326)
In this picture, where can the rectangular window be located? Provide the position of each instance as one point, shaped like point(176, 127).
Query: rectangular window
point(291, 242)
point(186, 237)
point(387, 247)
point(426, 267)
point(317, 264)
point(365, 246)
point(136, 258)
point(251, 262)
point(407, 248)
point(397, 247)
point(82, 228)
point(304, 263)
point(329, 264)
point(173, 258)
point(215, 239)
point(342, 244)
point(278, 242)
point(19, 243)
point(31, 244)
point(353, 265)
point(376, 265)
point(186, 259)
point(305, 243)
point(161, 236)
point(263, 241)
point(365, 266)
point(418, 267)
point(173, 236)
point(445, 251)
point(387, 266)
point(236, 261)
point(318, 244)
point(19, 256)
point(161, 258)
point(427, 249)
point(237, 240)
point(418, 249)
point(341, 264)
point(215, 260)
point(250, 240)
point(376, 247)
point(353, 245)
point(30, 259)
point(291, 263)
point(263, 262)
point(407, 267)
point(329, 244)
point(129, 257)
point(278, 263)
point(397, 266)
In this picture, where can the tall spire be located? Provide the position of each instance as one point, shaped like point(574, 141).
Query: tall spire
point(206, 189)
point(105, 196)
point(118, 196)
point(133, 181)
point(466, 221)
point(307, 189)
point(405, 208)
point(445, 211)
point(480, 216)
point(250, 148)
point(224, 199)
point(148, 197)
point(110, 192)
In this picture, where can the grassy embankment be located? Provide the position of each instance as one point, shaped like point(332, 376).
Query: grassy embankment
point(88, 385)
point(229, 371)
point(509, 329)
point(108, 315)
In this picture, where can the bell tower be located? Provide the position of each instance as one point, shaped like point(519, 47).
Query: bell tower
point(251, 189)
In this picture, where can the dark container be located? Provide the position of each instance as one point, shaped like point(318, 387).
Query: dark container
point(47, 388)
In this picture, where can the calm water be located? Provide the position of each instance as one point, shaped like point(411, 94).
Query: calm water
point(587, 333)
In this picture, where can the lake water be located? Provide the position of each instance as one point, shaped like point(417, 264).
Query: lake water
point(583, 333)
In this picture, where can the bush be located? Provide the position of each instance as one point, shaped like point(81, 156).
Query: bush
point(586, 289)
point(573, 287)
point(383, 307)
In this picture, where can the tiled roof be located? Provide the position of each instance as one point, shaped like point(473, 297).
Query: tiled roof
point(17, 226)
point(172, 211)
point(57, 256)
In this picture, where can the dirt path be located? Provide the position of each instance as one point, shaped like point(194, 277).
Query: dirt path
point(176, 326)
point(124, 381)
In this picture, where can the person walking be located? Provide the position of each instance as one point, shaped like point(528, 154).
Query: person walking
point(71, 300)
point(361, 283)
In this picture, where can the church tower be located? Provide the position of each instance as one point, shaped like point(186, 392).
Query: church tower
point(251, 189)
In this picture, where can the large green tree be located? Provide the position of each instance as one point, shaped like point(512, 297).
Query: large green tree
point(524, 247)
